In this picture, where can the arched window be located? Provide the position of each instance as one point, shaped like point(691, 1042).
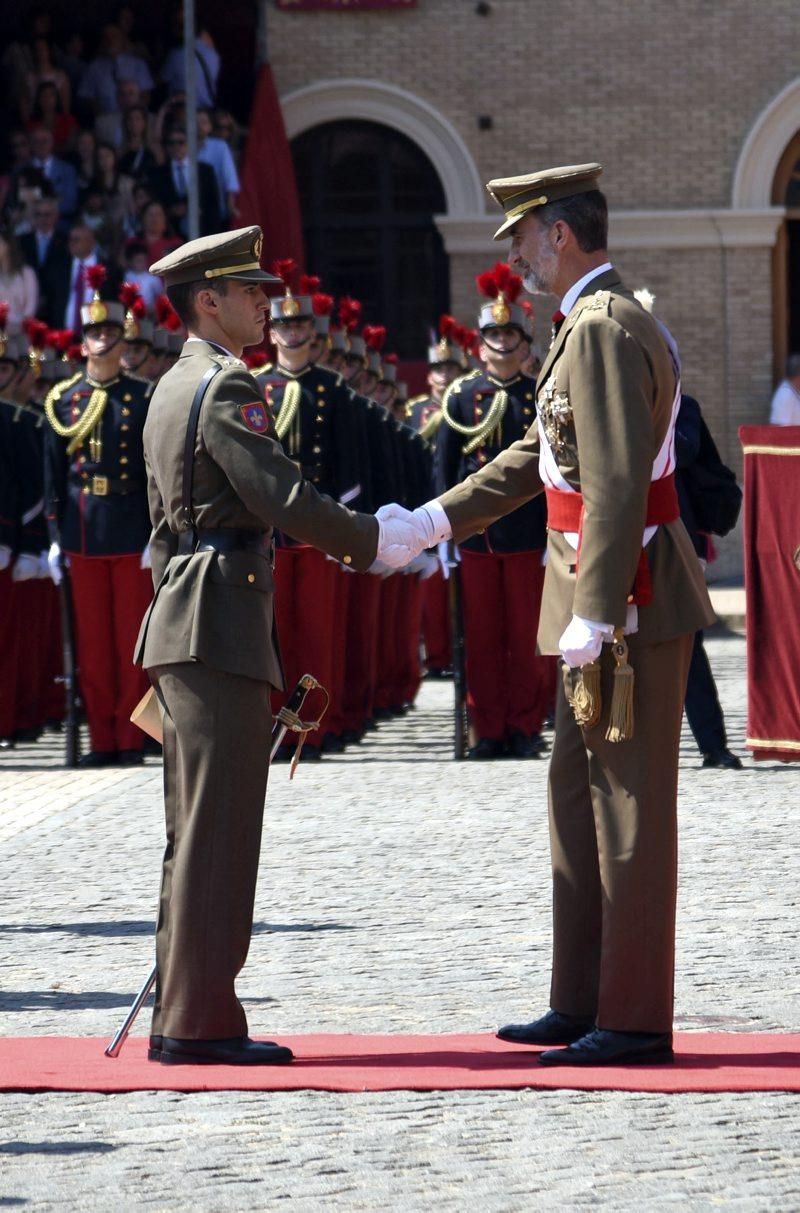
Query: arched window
point(786, 192)
point(368, 196)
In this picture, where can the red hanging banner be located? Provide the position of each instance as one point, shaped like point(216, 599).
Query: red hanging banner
point(310, 6)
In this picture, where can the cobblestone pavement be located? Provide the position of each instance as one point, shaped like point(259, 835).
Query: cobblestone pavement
point(399, 892)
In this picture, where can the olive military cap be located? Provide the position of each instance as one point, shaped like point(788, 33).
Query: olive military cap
point(224, 255)
point(518, 195)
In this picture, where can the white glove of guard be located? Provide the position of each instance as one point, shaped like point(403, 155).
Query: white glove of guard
point(426, 564)
point(146, 562)
point(5, 557)
point(44, 567)
point(582, 641)
point(26, 567)
point(53, 561)
point(405, 533)
point(379, 569)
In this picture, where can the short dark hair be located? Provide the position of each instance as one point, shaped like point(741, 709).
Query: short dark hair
point(586, 215)
point(183, 294)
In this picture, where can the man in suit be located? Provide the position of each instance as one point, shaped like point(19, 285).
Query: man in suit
point(170, 184)
point(61, 175)
point(66, 288)
point(46, 252)
point(621, 571)
point(207, 641)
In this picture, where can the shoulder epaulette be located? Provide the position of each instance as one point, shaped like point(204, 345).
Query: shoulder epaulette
point(258, 371)
point(417, 399)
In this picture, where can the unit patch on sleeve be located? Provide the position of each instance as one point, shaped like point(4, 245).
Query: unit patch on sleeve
point(255, 416)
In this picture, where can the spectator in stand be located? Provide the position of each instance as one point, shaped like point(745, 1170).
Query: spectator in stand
point(136, 158)
point(85, 157)
point(45, 250)
point(170, 184)
point(157, 234)
point(216, 153)
point(171, 115)
point(108, 128)
point(26, 186)
point(99, 85)
point(142, 197)
point(226, 128)
point(20, 147)
point(137, 261)
point(125, 21)
point(73, 61)
point(785, 407)
point(45, 72)
point(49, 112)
point(72, 290)
point(173, 72)
point(59, 173)
point(18, 285)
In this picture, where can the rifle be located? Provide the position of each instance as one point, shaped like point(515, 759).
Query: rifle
point(72, 732)
point(460, 735)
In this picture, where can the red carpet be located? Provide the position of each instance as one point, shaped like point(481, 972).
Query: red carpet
point(706, 1061)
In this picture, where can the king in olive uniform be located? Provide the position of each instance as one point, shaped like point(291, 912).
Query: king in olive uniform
point(621, 571)
point(218, 483)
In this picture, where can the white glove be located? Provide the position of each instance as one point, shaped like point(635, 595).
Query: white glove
point(54, 562)
point(406, 533)
point(44, 567)
point(582, 640)
point(379, 569)
point(26, 567)
point(443, 555)
point(146, 562)
point(5, 557)
point(426, 564)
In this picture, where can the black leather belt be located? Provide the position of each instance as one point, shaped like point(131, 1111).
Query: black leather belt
point(226, 539)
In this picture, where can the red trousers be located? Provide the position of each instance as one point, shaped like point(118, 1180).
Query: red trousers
point(389, 662)
point(35, 656)
point(409, 624)
point(509, 688)
point(361, 650)
point(334, 720)
point(110, 595)
point(436, 623)
point(9, 653)
point(305, 602)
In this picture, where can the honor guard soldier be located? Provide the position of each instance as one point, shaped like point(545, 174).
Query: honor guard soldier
point(316, 426)
point(96, 496)
point(446, 361)
point(624, 595)
point(138, 354)
point(509, 688)
point(219, 482)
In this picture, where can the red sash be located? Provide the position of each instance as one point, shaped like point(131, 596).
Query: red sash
point(565, 513)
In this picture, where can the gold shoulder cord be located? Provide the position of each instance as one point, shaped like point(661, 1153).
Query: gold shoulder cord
point(287, 421)
point(89, 419)
point(431, 426)
point(491, 423)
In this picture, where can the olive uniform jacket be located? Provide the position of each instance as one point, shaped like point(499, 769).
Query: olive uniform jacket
point(605, 397)
point(211, 606)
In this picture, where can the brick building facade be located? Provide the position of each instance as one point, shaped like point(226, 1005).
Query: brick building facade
point(693, 110)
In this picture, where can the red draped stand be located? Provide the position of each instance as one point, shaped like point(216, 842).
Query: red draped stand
point(772, 585)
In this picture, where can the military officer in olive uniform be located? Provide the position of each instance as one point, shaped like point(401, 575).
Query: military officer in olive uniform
point(510, 688)
point(621, 568)
point(218, 483)
point(96, 497)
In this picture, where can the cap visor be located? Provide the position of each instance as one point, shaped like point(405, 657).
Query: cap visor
point(507, 227)
point(255, 276)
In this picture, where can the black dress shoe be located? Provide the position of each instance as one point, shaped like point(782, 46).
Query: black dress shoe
point(332, 744)
point(353, 736)
point(486, 749)
point(154, 1048)
point(552, 1029)
point(722, 758)
point(605, 1048)
point(130, 758)
point(522, 746)
point(233, 1051)
point(99, 758)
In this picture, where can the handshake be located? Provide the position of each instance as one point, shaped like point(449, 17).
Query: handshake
point(404, 534)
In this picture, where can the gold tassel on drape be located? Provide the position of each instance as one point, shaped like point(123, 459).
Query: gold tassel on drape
point(586, 699)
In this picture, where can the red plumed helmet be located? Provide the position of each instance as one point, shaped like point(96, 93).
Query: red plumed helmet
point(4, 309)
point(349, 313)
point(254, 359)
point(128, 294)
point(375, 336)
point(139, 308)
point(391, 358)
point(308, 284)
point(284, 269)
point(322, 304)
point(487, 284)
point(163, 309)
point(509, 283)
point(60, 340)
point(96, 276)
point(447, 326)
point(74, 352)
point(36, 332)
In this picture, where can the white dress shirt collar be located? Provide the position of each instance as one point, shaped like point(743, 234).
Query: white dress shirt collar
point(571, 297)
